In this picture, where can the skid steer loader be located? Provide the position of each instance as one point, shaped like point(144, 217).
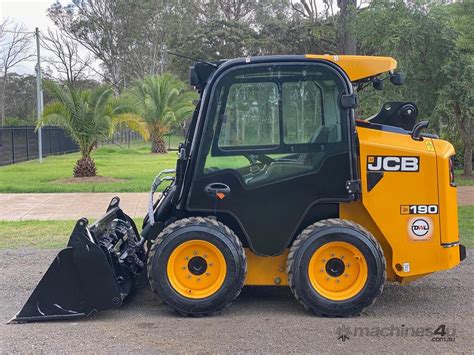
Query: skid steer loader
point(277, 183)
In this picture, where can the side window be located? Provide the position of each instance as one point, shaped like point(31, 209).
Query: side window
point(274, 122)
point(302, 110)
point(251, 116)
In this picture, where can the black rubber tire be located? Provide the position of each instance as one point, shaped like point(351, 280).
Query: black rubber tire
point(210, 230)
point(317, 235)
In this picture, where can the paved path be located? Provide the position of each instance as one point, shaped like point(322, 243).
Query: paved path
point(465, 195)
point(17, 207)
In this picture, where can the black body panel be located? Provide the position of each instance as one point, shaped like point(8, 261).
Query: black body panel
point(270, 215)
point(396, 114)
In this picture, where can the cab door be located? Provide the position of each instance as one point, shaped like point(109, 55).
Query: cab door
point(276, 142)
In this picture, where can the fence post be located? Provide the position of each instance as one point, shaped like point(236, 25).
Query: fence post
point(49, 135)
point(60, 148)
point(27, 145)
point(13, 145)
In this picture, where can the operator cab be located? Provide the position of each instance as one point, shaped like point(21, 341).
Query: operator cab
point(267, 127)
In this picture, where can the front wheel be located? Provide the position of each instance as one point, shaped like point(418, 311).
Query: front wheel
point(336, 268)
point(197, 266)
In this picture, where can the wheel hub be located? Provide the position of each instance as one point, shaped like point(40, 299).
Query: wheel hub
point(335, 267)
point(197, 265)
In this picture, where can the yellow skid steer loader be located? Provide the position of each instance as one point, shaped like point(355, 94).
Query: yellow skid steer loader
point(277, 183)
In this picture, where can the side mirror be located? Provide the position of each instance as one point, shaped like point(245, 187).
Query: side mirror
point(377, 84)
point(397, 78)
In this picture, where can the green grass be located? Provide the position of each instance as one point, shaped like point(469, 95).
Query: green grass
point(55, 234)
point(462, 180)
point(136, 167)
point(35, 234)
point(39, 234)
point(466, 225)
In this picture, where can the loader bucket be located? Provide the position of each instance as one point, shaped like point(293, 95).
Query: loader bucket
point(79, 282)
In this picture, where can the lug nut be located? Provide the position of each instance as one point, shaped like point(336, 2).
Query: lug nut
point(208, 274)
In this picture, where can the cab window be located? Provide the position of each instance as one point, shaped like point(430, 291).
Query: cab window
point(274, 122)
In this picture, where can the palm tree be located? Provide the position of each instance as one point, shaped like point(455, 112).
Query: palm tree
point(88, 116)
point(162, 102)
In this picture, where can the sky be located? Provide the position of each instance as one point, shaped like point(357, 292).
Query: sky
point(32, 13)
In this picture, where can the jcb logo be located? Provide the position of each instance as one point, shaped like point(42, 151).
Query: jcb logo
point(391, 163)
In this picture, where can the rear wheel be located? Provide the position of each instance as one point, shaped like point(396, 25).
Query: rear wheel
point(197, 266)
point(336, 268)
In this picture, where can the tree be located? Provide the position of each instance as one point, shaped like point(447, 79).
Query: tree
point(65, 57)
point(417, 36)
point(127, 37)
point(162, 102)
point(20, 100)
point(88, 116)
point(455, 104)
point(348, 40)
point(14, 49)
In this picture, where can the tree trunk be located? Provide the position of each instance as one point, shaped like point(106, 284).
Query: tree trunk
point(85, 167)
point(467, 159)
point(3, 94)
point(348, 40)
point(158, 144)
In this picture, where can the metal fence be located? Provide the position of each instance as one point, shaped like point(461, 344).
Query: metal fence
point(123, 138)
point(20, 143)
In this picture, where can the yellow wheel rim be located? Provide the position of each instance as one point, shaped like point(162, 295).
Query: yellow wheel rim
point(196, 269)
point(338, 271)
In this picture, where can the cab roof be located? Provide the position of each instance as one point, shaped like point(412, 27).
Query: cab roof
point(356, 67)
point(359, 67)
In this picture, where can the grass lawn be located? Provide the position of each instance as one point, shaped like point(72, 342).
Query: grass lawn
point(54, 234)
point(466, 225)
point(133, 170)
point(462, 180)
point(39, 234)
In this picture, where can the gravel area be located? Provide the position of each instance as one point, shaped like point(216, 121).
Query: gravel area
point(261, 320)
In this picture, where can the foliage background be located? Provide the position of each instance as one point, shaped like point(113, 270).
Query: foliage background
point(117, 42)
